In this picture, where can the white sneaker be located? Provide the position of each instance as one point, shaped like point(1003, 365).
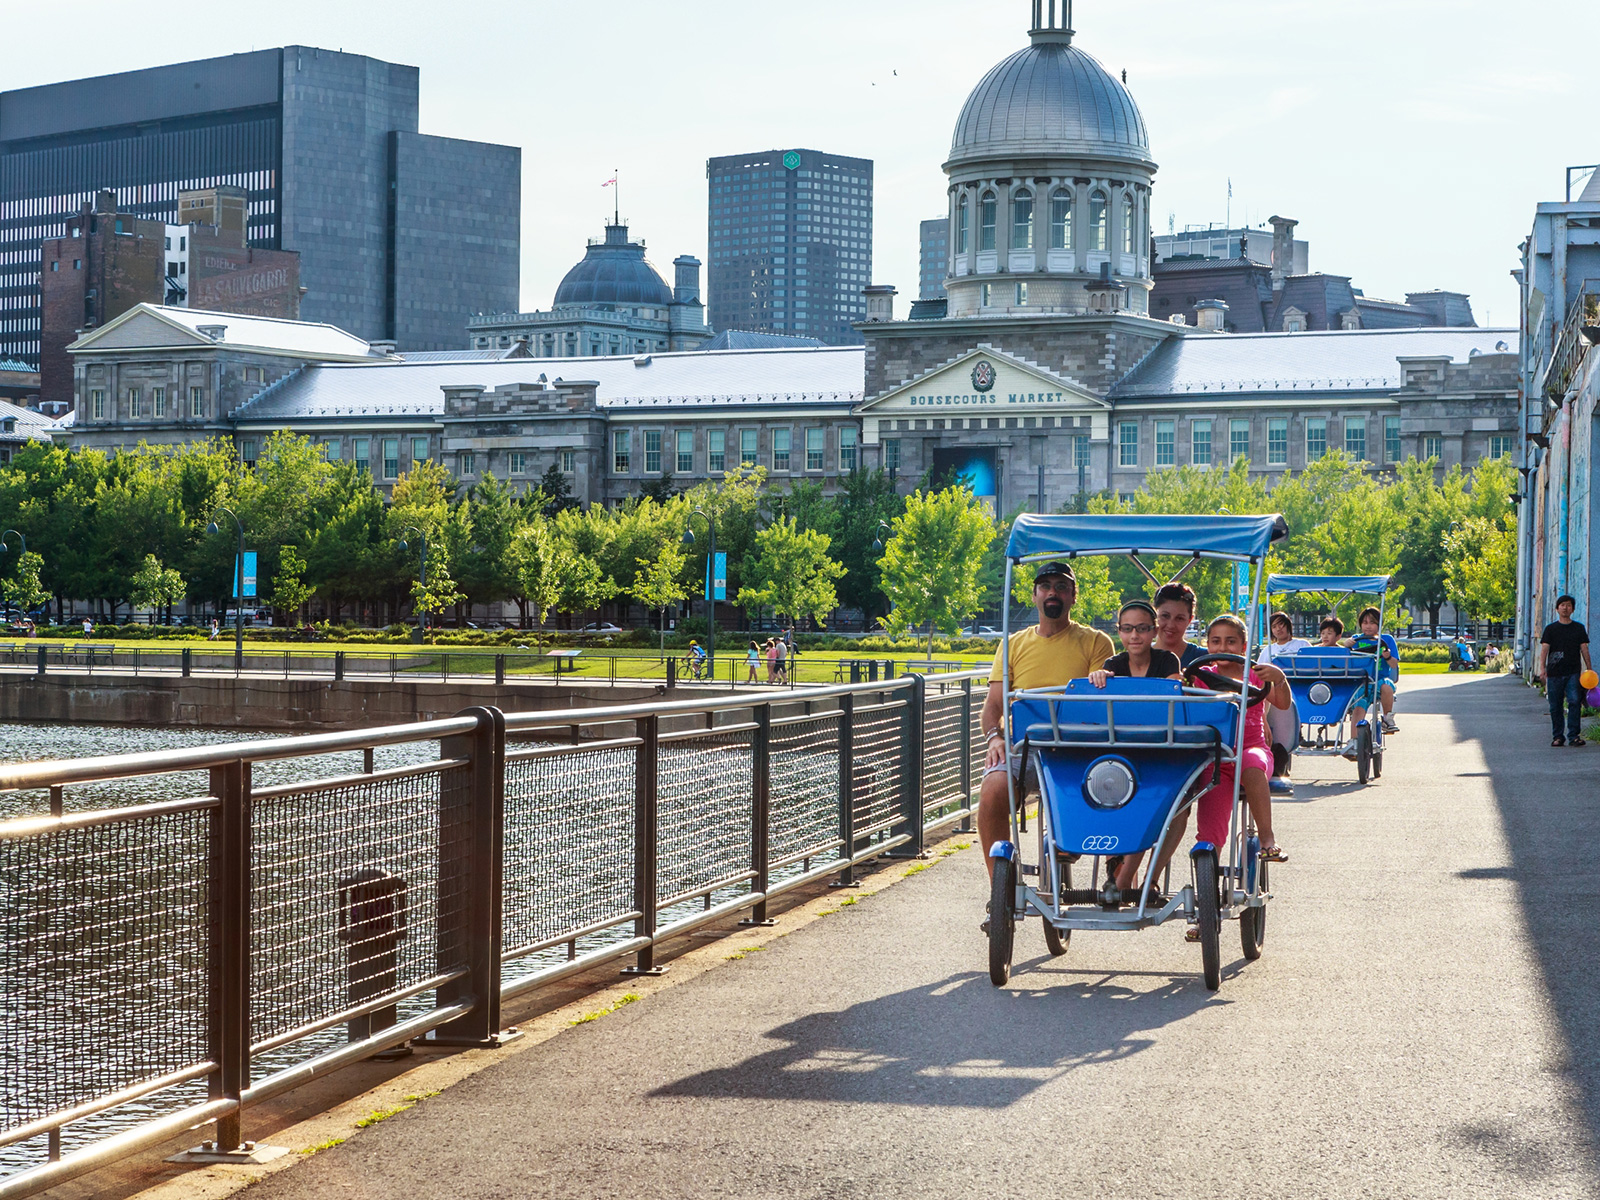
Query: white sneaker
point(1390, 725)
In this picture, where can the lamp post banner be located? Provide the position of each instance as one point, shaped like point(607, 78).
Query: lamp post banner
point(249, 573)
point(719, 577)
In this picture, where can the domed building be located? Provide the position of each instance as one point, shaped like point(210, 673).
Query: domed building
point(612, 302)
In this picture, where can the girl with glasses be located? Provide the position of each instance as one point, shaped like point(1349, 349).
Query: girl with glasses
point(1140, 659)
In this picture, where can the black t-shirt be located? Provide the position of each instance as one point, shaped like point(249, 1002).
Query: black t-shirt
point(1163, 663)
point(1564, 657)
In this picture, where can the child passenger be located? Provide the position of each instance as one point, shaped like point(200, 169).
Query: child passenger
point(1136, 626)
point(1226, 635)
point(1282, 723)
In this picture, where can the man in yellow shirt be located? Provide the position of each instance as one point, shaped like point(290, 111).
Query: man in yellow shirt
point(1049, 654)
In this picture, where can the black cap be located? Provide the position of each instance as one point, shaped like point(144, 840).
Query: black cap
point(1055, 567)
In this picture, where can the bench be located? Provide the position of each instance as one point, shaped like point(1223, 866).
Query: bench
point(90, 652)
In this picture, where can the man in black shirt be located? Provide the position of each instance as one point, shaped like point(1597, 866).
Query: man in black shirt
point(1563, 655)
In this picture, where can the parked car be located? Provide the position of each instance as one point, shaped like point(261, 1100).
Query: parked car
point(600, 628)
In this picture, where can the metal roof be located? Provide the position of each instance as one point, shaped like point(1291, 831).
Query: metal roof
point(613, 272)
point(1290, 363)
point(30, 424)
point(747, 339)
point(829, 375)
point(305, 338)
point(1052, 101)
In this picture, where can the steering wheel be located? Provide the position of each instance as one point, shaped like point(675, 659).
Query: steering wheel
point(1255, 692)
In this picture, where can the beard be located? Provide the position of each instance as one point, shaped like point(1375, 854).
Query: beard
point(1054, 608)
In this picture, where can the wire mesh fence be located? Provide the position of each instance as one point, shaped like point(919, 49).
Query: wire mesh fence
point(376, 906)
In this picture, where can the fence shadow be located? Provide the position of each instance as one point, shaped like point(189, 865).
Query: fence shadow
point(1551, 815)
point(956, 1043)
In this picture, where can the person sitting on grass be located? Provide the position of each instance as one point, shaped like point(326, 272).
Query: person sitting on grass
point(1226, 635)
point(1136, 626)
point(1370, 622)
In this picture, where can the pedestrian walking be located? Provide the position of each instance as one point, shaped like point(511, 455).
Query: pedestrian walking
point(88, 627)
point(753, 658)
point(213, 636)
point(783, 661)
point(772, 660)
point(791, 653)
point(1563, 656)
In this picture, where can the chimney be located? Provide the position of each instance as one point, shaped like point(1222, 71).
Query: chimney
point(1212, 315)
point(686, 279)
point(880, 301)
point(1282, 250)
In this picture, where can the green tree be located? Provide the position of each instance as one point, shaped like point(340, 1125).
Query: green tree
point(1098, 598)
point(537, 552)
point(156, 587)
point(659, 582)
point(792, 573)
point(289, 589)
point(932, 561)
point(1481, 569)
point(24, 589)
point(438, 591)
point(556, 493)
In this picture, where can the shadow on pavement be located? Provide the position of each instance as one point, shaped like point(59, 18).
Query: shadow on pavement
point(1549, 801)
point(960, 1042)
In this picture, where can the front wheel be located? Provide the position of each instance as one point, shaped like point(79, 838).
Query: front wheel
point(1363, 754)
point(1057, 940)
point(1208, 916)
point(1377, 764)
point(1253, 921)
point(1002, 894)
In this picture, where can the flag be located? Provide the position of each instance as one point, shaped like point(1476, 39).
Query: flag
point(1230, 187)
point(613, 180)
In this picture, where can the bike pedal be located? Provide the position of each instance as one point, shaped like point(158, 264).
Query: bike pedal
point(1027, 870)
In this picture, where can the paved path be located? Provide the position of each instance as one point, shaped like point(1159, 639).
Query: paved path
point(1422, 1025)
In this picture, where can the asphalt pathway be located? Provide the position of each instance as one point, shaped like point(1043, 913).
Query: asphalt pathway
point(1421, 1025)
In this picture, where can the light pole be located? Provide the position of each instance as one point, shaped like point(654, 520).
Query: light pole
point(877, 548)
point(238, 584)
point(23, 538)
point(711, 581)
point(422, 575)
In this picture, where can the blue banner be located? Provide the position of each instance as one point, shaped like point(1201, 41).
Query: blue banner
point(249, 573)
point(720, 579)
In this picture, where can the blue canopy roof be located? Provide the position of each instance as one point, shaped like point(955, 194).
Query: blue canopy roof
point(1236, 537)
point(1278, 584)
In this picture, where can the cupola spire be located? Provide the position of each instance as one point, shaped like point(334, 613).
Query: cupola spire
point(1052, 22)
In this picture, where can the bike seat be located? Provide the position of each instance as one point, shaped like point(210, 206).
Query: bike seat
point(1042, 735)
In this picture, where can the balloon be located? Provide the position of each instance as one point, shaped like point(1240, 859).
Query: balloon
point(1588, 681)
point(1593, 697)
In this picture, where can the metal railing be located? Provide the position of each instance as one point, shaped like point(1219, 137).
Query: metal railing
point(1572, 343)
point(422, 664)
point(193, 957)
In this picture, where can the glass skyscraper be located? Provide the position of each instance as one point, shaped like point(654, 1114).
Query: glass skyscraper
point(790, 237)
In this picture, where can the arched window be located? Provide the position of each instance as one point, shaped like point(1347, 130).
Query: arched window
point(1022, 220)
point(1097, 221)
point(1061, 221)
point(986, 217)
point(961, 224)
point(1130, 221)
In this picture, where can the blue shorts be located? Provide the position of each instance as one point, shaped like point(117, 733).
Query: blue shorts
point(1363, 695)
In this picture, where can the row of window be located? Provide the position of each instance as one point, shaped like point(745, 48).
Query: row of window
point(1062, 237)
point(717, 450)
point(1205, 433)
point(141, 405)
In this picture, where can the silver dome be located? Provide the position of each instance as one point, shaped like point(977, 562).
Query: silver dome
point(1050, 100)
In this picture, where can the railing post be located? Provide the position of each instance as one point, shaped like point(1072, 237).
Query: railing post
point(499, 669)
point(43, 660)
point(847, 789)
point(912, 751)
point(672, 672)
point(760, 810)
point(855, 670)
point(645, 781)
point(966, 755)
point(338, 666)
point(228, 1024)
point(188, 662)
point(471, 819)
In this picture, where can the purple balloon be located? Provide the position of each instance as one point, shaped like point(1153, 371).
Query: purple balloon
point(1593, 697)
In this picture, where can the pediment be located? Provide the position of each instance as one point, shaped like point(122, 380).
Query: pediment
point(137, 329)
point(986, 381)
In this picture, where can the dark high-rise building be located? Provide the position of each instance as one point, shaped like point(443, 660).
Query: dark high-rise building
point(790, 237)
point(402, 235)
point(933, 258)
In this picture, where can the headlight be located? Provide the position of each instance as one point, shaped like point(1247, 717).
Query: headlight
point(1320, 693)
point(1108, 783)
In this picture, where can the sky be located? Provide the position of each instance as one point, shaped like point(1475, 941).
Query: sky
point(1410, 138)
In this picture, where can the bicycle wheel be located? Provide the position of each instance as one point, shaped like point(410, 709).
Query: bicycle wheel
point(1057, 940)
point(1208, 916)
point(1253, 922)
point(1002, 894)
point(1363, 754)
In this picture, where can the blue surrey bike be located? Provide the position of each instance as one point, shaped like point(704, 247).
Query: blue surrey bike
point(1117, 766)
point(1327, 681)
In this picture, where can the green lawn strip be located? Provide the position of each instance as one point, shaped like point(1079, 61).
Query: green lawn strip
point(626, 998)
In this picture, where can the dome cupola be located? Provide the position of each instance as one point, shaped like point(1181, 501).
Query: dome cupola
point(1050, 175)
point(613, 273)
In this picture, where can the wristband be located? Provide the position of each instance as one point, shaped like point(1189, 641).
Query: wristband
point(994, 733)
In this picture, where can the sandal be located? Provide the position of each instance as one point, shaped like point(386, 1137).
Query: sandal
point(1192, 934)
point(1577, 741)
point(1274, 853)
point(1558, 741)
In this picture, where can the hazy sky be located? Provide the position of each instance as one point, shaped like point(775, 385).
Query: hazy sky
point(1411, 138)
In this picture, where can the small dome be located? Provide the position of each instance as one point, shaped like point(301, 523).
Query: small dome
point(613, 272)
point(1050, 100)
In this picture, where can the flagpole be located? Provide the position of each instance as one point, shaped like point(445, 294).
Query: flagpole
point(616, 196)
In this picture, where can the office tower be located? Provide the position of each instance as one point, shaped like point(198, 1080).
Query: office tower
point(402, 235)
point(790, 237)
point(933, 258)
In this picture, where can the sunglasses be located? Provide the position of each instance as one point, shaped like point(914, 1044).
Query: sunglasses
point(1136, 628)
point(1063, 588)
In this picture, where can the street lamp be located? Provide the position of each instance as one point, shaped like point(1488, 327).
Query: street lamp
point(422, 575)
point(711, 584)
point(3, 548)
point(238, 584)
point(877, 541)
